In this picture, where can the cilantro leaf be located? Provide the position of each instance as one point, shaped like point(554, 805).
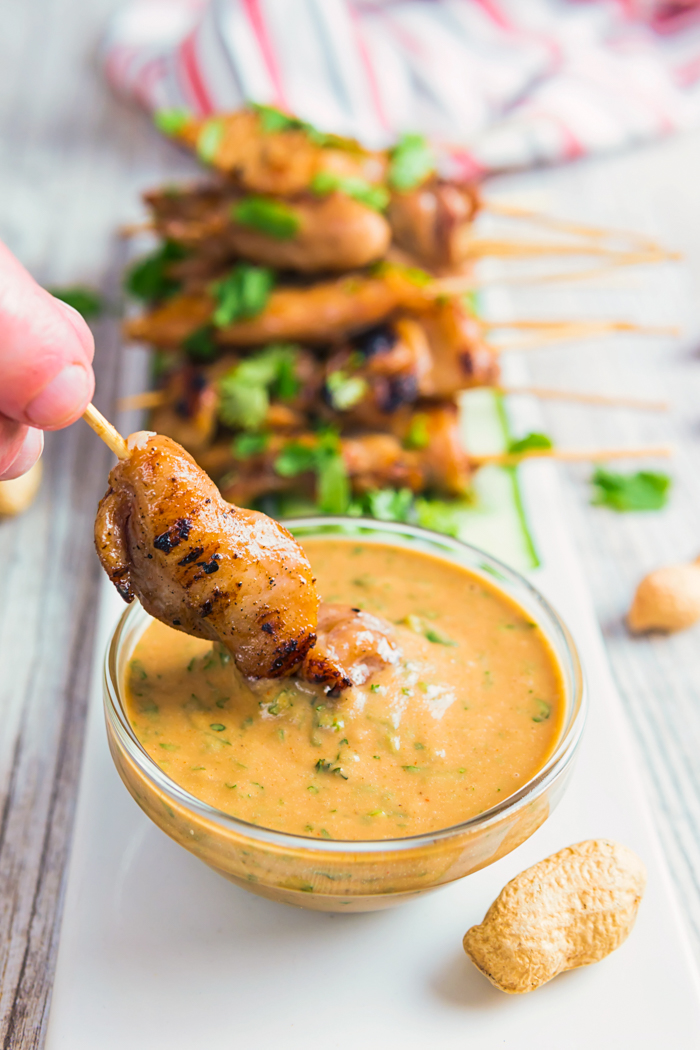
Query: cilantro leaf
point(200, 345)
point(171, 121)
point(273, 119)
point(249, 444)
point(345, 391)
point(375, 197)
point(244, 391)
point(86, 301)
point(149, 279)
point(410, 162)
point(267, 216)
point(209, 139)
point(242, 293)
point(295, 459)
point(418, 436)
point(325, 460)
point(389, 504)
point(529, 442)
point(438, 515)
point(644, 490)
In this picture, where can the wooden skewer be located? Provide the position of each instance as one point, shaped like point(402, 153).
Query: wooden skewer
point(604, 400)
point(478, 248)
point(146, 399)
point(104, 429)
point(570, 455)
point(132, 229)
point(578, 229)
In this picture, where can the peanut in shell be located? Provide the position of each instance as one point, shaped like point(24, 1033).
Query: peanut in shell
point(570, 910)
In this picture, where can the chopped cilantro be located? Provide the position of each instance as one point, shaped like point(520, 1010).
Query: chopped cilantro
point(200, 345)
point(529, 442)
point(438, 515)
point(417, 625)
point(149, 279)
point(345, 391)
point(267, 216)
point(411, 769)
point(242, 293)
point(544, 710)
point(410, 162)
point(326, 461)
point(244, 391)
point(209, 139)
point(86, 301)
point(644, 490)
point(217, 727)
point(418, 436)
point(250, 444)
point(171, 121)
point(375, 197)
point(389, 504)
point(273, 119)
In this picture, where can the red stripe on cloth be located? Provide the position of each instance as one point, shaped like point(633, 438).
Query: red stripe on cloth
point(572, 146)
point(494, 12)
point(145, 82)
point(470, 169)
point(369, 69)
point(689, 73)
point(190, 65)
point(257, 21)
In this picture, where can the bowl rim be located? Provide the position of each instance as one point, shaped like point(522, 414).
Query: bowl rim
point(493, 567)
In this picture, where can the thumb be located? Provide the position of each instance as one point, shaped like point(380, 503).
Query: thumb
point(46, 352)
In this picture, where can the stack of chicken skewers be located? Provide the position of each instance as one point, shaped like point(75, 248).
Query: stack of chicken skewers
point(309, 308)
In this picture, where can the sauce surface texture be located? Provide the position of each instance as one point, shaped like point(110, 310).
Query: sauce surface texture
point(466, 717)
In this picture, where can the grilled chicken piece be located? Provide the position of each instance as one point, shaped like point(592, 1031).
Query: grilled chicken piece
point(350, 647)
point(433, 222)
point(372, 461)
point(263, 151)
point(320, 313)
point(164, 534)
point(334, 232)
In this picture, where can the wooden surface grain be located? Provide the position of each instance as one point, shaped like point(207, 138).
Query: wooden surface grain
point(72, 162)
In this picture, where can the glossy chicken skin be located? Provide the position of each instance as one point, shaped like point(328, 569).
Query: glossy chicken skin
point(350, 647)
point(320, 313)
point(334, 232)
point(165, 535)
point(281, 162)
point(433, 222)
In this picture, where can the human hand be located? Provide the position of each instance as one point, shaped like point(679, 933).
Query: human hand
point(46, 378)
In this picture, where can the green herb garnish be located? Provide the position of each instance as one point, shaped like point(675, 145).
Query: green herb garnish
point(644, 490)
point(374, 197)
point(389, 504)
point(86, 301)
point(418, 436)
point(171, 121)
point(149, 279)
point(411, 769)
point(242, 293)
point(410, 162)
point(217, 727)
point(325, 460)
point(544, 710)
point(200, 345)
point(268, 216)
point(438, 515)
point(345, 391)
point(251, 444)
point(209, 139)
point(245, 390)
point(530, 442)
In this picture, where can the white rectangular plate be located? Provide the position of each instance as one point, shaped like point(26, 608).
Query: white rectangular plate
point(157, 951)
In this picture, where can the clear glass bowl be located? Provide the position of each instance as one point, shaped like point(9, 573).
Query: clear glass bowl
point(333, 875)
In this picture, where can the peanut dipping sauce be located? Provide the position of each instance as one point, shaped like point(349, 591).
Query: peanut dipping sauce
point(470, 712)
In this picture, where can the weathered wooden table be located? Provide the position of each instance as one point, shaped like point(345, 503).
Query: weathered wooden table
point(72, 162)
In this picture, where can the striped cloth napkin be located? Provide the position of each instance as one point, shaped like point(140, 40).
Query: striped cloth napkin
point(500, 83)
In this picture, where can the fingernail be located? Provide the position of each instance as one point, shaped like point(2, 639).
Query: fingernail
point(65, 396)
